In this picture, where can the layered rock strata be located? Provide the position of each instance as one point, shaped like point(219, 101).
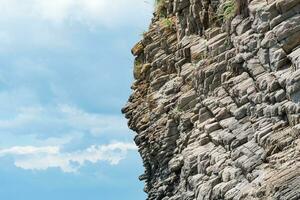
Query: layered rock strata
point(215, 103)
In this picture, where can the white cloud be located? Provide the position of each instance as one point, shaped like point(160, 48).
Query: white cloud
point(29, 150)
point(51, 24)
point(94, 123)
point(43, 158)
point(91, 12)
point(23, 117)
point(39, 120)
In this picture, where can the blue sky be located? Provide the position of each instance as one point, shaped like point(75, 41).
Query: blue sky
point(65, 73)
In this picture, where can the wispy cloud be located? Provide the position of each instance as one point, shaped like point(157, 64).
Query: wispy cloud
point(43, 158)
point(25, 150)
point(108, 13)
point(41, 119)
point(50, 24)
point(95, 124)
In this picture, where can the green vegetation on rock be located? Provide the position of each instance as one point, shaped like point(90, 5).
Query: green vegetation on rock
point(137, 69)
point(160, 7)
point(227, 10)
point(167, 23)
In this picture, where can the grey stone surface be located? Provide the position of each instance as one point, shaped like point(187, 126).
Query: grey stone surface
point(216, 108)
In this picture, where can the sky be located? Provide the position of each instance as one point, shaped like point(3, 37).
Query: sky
point(65, 73)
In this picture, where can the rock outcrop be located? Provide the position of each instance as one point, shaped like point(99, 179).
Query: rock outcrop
point(216, 100)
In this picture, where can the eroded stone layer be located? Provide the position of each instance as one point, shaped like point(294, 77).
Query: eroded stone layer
point(215, 104)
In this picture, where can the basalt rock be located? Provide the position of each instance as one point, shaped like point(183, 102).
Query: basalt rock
point(216, 103)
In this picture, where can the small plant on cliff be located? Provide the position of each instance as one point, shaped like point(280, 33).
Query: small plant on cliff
point(176, 113)
point(177, 110)
point(160, 8)
point(143, 34)
point(227, 10)
point(227, 43)
point(137, 69)
point(167, 23)
point(201, 56)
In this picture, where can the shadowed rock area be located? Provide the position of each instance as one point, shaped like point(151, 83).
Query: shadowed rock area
point(215, 103)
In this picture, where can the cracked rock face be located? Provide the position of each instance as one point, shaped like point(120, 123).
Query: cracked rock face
point(216, 102)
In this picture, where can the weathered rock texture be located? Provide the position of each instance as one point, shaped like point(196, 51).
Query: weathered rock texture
point(216, 100)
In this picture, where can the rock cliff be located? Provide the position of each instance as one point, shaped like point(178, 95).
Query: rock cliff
point(216, 100)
